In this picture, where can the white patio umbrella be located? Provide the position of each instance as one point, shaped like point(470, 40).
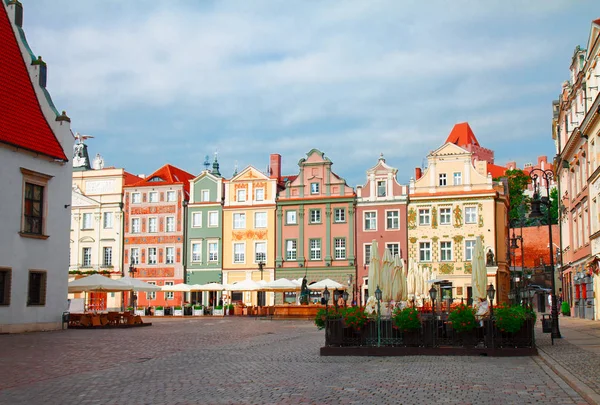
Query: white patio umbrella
point(330, 284)
point(282, 285)
point(386, 276)
point(410, 279)
point(426, 276)
point(399, 280)
point(98, 283)
point(139, 285)
point(181, 287)
point(479, 272)
point(246, 285)
point(418, 281)
point(374, 269)
point(210, 287)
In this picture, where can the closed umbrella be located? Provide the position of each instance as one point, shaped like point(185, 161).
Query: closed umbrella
point(398, 283)
point(479, 272)
point(410, 279)
point(374, 269)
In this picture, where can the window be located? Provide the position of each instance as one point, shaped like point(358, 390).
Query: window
point(370, 221)
point(34, 189)
point(259, 194)
point(170, 224)
point(239, 255)
point(470, 215)
point(135, 225)
point(107, 221)
point(213, 251)
point(393, 219)
point(135, 256)
point(170, 255)
point(314, 188)
point(291, 249)
point(315, 249)
point(445, 216)
point(469, 249)
point(260, 219)
point(196, 252)
point(136, 198)
point(424, 217)
point(394, 248)
point(152, 225)
point(315, 216)
point(442, 179)
point(153, 196)
point(367, 254)
point(151, 295)
point(205, 195)
point(36, 293)
point(5, 285)
point(196, 219)
point(381, 189)
point(86, 222)
point(457, 178)
point(239, 221)
point(107, 256)
point(169, 295)
point(339, 215)
point(260, 252)
point(213, 218)
point(340, 248)
point(290, 217)
point(151, 255)
point(446, 251)
point(425, 251)
point(241, 195)
point(171, 196)
point(86, 257)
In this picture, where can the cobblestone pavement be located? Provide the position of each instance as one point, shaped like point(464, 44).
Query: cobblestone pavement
point(246, 361)
point(579, 350)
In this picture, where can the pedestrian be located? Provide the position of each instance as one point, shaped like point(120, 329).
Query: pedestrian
point(323, 301)
point(340, 301)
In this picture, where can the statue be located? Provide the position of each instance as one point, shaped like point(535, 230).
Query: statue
point(489, 258)
point(304, 292)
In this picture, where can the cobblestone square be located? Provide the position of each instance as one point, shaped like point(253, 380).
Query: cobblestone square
point(248, 361)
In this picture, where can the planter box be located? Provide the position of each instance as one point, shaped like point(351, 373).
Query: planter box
point(159, 312)
point(218, 312)
point(198, 312)
point(178, 312)
point(140, 312)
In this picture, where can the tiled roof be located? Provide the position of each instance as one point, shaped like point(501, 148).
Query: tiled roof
point(22, 123)
point(130, 179)
point(496, 171)
point(462, 135)
point(164, 176)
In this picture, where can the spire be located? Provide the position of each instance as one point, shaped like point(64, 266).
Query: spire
point(215, 169)
point(381, 157)
point(235, 169)
point(206, 163)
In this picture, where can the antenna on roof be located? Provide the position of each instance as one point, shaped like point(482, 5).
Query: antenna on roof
point(206, 163)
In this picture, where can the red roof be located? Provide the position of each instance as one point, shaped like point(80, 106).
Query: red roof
point(164, 176)
point(462, 135)
point(22, 123)
point(496, 171)
point(130, 179)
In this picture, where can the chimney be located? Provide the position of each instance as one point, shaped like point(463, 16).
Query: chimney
point(275, 165)
point(418, 173)
point(18, 12)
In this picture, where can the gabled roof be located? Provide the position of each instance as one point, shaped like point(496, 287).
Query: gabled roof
point(165, 176)
point(22, 122)
point(130, 179)
point(496, 171)
point(462, 135)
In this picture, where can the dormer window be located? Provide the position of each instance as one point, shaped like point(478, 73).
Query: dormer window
point(443, 180)
point(314, 188)
point(155, 179)
point(381, 188)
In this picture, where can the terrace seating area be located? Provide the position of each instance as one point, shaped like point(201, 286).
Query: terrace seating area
point(105, 320)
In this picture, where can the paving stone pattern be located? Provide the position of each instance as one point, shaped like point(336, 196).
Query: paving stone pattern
point(246, 361)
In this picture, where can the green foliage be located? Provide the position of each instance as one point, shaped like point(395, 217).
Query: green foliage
point(219, 307)
point(517, 183)
point(463, 318)
point(130, 308)
point(510, 318)
point(322, 315)
point(406, 319)
point(197, 307)
point(159, 308)
point(565, 309)
point(354, 317)
point(230, 307)
point(178, 307)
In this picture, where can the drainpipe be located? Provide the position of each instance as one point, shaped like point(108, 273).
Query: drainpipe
point(184, 248)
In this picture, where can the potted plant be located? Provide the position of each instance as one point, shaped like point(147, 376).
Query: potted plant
point(354, 317)
point(408, 321)
point(322, 316)
point(218, 310)
point(230, 309)
point(177, 310)
point(141, 311)
point(197, 310)
point(464, 323)
point(565, 309)
point(159, 311)
point(509, 319)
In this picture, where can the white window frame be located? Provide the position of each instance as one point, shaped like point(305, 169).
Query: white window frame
point(396, 219)
point(442, 180)
point(262, 194)
point(424, 251)
point(85, 223)
point(314, 188)
point(256, 251)
point(197, 223)
point(151, 295)
point(397, 244)
point(211, 215)
point(287, 217)
point(155, 255)
point(196, 257)
point(377, 184)
point(263, 222)
point(167, 256)
point(315, 216)
point(291, 249)
point(172, 227)
point(457, 179)
point(134, 257)
point(153, 220)
point(367, 253)
point(86, 257)
point(445, 251)
point(468, 219)
point(242, 258)
point(105, 250)
point(316, 250)
point(134, 228)
point(339, 248)
point(239, 195)
point(372, 221)
point(239, 220)
point(424, 216)
point(169, 295)
point(446, 216)
point(107, 220)
point(136, 198)
point(469, 249)
point(339, 215)
point(171, 196)
point(205, 195)
point(213, 256)
point(153, 197)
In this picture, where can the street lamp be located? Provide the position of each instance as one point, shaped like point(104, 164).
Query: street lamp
point(491, 293)
point(132, 271)
point(433, 295)
point(345, 297)
point(326, 295)
point(378, 298)
point(547, 176)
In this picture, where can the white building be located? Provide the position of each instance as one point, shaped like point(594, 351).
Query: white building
point(35, 179)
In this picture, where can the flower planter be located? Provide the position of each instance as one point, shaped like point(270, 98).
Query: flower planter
point(178, 312)
point(468, 338)
point(140, 312)
point(411, 338)
point(198, 312)
point(218, 312)
point(159, 312)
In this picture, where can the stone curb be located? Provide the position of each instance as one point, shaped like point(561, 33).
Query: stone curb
point(580, 387)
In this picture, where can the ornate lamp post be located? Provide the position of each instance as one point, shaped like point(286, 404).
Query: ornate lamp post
point(326, 296)
point(491, 293)
point(433, 296)
point(132, 271)
point(345, 297)
point(547, 176)
point(378, 298)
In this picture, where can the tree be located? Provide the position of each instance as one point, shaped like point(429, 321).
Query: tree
point(517, 183)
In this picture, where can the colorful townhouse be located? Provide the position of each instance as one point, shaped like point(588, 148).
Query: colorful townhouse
point(35, 179)
point(97, 224)
point(249, 230)
point(204, 237)
point(315, 224)
point(451, 203)
point(155, 218)
point(576, 130)
point(381, 215)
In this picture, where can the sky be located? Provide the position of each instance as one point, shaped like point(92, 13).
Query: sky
point(159, 82)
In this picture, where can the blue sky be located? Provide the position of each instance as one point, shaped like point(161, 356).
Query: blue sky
point(172, 81)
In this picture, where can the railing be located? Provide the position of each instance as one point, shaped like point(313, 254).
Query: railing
point(433, 333)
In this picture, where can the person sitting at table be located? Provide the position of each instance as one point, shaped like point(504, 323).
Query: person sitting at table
point(341, 302)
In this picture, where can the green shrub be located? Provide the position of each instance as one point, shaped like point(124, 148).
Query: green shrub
point(197, 307)
point(565, 308)
point(322, 315)
point(160, 308)
point(510, 318)
point(177, 307)
point(130, 308)
point(219, 307)
point(231, 307)
point(406, 319)
point(354, 317)
point(463, 318)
